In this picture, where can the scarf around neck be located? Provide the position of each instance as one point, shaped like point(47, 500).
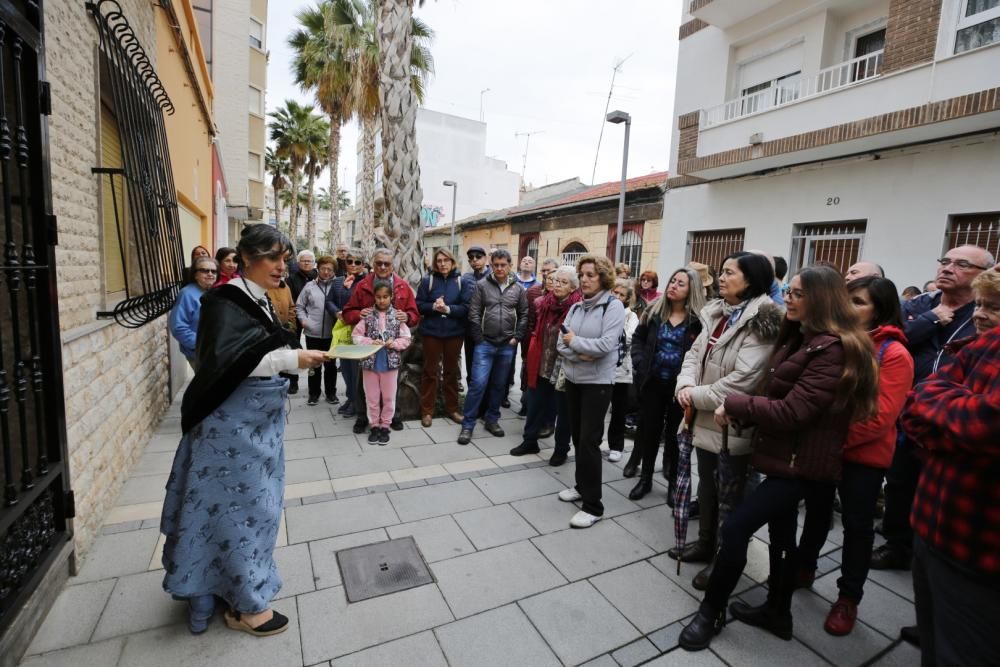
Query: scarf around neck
point(733, 311)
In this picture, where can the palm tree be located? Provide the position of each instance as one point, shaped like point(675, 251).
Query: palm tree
point(278, 168)
point(319, 65)
point(398, 99)
point(356, 27)
point(315, 164)
point(293, 130)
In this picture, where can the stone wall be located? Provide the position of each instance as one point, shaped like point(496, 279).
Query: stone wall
point(116, 379)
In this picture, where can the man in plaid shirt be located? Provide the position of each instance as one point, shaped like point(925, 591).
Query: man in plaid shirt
point(955, 418)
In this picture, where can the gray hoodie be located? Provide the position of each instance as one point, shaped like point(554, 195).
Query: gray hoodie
point(597, 324)
point(311, 309)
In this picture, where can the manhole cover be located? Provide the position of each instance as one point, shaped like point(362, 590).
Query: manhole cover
point(384, 567)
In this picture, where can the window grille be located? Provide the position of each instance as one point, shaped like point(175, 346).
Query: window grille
point(836, 244)
point(632, 251)
point(148, 228)
point(982, 230)
point(711, 247)
point(572, 252)
point(532, 250)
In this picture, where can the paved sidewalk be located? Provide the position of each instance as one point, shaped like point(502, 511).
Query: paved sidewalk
point(514, 584)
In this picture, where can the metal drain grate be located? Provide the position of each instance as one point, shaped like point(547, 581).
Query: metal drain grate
point(384, 567)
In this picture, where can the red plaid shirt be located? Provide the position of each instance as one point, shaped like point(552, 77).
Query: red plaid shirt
point(955, 417)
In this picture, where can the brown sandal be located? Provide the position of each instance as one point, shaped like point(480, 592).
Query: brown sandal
point(277, 624)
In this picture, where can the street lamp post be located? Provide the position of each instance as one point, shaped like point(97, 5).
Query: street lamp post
point(454, 197)
point(617, 117)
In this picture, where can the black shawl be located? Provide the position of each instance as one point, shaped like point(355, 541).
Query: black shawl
point(234, 334)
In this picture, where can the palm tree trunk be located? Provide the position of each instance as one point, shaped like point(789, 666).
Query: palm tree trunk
point(368, 187)
point(401, 181)
point(277, 209)
point(310, 214)
point(333, 157)
point(293, 211)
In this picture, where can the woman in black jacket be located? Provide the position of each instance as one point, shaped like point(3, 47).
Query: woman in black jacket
point(665, 333)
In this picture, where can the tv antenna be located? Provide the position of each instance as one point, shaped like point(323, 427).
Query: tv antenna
point(617, 68)
point(524, 156)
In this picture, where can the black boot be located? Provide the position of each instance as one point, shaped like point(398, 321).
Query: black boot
point(632, 466)
point(766, 616)
point(703, 627)
point(644, 486)
point(700, 581)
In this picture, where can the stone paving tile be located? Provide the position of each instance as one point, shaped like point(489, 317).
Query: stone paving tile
point(863, 644)
point(666, 638)
point(163, 443)
point(582, 553)
point(615, 504)
point(338, 517)
point(668, 566)
point(898, 581)
point(656, 498)
point(299, 431)
point(138, 603)
point(73, 617)
point(545, 513)
point(495, 577)
point(441, 433)
point(145, 489)
point(901, 655)
point(423, 472)
point(493, 526)
point(321, 498)
point(219, 646)
point(518, 485)
point(635, 653)
point(339, 426)
point(153, 463)
point(323, 553)
point(332, 628)
point(439, 480)
point(353, 493)
point(295, 569)
point(428, 501)
point(501, 636)
point(115, 528)
point(407, 438)
point(413, 484)
point(371, 461)
point(578, 623)
point(102, 653)
point(604, 660)
point(305, 470)
point(362, 481)
point(306, 489)
point(438, 538)
point(321, 447)
point(742, 644)
point(881, 608)
point(493, 446)
point(681, 658)
point(420, 649)
point(655, 527)
point(478, 465)
point(310, 413)
point(117, 555)
point(442, 452)
point(645, 596)
point(125, 513)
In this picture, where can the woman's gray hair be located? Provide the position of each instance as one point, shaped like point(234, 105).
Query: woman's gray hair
point(259, 241)
point(202, 260)
point(570, 273)
point(306, 253)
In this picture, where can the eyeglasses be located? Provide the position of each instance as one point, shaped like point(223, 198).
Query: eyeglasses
point(561, 281)
point(796, 294)
point(205, 271)
point(960, 263)
point(353, 262)
point(383, 265)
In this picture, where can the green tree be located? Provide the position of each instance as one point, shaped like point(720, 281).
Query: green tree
point(294, 128)
point(315, 164)
point(319, 65)
point(278, 168)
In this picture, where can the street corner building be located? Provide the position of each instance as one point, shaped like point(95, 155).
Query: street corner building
point(111, 172)
point(835, 131)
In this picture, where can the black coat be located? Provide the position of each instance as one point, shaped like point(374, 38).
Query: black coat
point(643, 349)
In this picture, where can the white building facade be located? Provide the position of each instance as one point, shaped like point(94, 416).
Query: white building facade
point(835, 131)
point(452, 148)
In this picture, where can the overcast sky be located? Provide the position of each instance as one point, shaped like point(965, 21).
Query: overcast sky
point(548, 65)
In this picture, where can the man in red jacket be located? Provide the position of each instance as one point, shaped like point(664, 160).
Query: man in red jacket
point(363, 300)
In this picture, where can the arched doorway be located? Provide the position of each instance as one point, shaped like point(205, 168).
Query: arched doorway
point(572, 252)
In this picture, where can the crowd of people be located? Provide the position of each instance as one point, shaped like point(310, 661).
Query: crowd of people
point(833, 390)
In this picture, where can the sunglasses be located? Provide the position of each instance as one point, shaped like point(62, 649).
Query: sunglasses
point(205, 271)
point(383, 265)
point(353, 262)
point(476, 256)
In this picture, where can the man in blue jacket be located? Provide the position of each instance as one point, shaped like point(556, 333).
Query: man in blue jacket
point(930, 322)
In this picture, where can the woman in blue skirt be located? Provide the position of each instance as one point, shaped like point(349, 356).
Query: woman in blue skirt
point(226, 487)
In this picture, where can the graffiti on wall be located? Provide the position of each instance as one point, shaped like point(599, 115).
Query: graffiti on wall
point(430, 215)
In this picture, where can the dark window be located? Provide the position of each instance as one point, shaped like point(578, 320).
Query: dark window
point(711, 247)
point(981, 229)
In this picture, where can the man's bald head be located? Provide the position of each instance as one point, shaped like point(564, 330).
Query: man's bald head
point(863, 269)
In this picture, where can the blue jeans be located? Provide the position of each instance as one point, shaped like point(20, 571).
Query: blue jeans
point(490, 365)
point(542, 407)
point(349, 369)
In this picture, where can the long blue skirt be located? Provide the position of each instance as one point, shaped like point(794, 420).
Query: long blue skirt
point(224, 500)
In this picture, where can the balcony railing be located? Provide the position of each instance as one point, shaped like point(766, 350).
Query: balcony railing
point(827, 80)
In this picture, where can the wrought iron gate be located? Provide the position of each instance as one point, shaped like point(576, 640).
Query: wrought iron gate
point(36, 500)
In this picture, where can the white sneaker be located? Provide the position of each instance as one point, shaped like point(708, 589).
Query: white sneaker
point(614, 456)
point(569, 495)
point(583, 520)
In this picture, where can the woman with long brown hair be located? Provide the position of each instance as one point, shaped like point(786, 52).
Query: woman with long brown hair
point(822, 376)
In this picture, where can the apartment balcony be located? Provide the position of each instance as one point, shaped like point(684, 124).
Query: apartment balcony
point(850, 108)
point(726, 13)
